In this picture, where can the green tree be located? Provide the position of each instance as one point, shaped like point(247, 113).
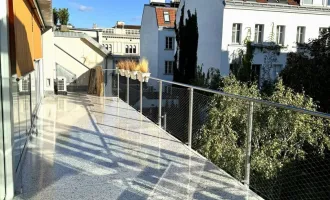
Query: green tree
point(186, 55)
point(280, 137)
point(308, 70)
point(55, 16)
point(64, 15)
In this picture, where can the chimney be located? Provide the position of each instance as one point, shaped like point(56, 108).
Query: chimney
point(175, 3)
point(120, 24)
point(157, 2)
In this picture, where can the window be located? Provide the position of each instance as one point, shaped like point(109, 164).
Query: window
point(48, 82)
point(300, 35)
point(280, 32)
point(259, 33)
point(166, 17)
point(255, 74)
point(328, 3)
point(134, 49)
point(169, 42)
point(110, 48)
point(169, 67)
point(168, 89)
point(126, 50)
point(308, 1)
point(236, 37)
point(277, 70)
point(131, 49)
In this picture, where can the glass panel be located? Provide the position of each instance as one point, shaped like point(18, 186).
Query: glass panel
point(33, 91)
point(308, 1)
point(22, 113)
point(16, 112)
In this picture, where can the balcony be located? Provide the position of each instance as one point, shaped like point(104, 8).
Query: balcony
point(140, 141)
point(101, 148)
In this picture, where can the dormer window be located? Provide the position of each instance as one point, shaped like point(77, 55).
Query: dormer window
point(167, 17)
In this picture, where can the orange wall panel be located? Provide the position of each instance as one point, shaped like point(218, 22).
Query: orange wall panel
point(37, 40)
point(27, 36)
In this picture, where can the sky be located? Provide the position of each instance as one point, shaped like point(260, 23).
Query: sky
point(104, 13)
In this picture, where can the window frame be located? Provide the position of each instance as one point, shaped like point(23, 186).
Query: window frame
point(169, 45)
point(237, 32)
point(166, 13)
point(127, 49)
point(110, 48)
point(300, 37)
point(258, 34)
point(169, 66)
point(134, 49)
point(280, 35)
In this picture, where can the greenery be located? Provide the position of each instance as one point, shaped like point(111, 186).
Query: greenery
point(55, 16)
point(308, 70)
point(280, 137)
point(186, 54)
point(210, 80)
point(63, 15)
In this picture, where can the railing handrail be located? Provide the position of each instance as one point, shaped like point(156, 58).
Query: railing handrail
point(249, 99)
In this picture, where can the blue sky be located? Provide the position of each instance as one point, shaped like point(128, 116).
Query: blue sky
point(105, 13)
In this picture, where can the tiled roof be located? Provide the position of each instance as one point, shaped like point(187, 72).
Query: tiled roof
point(160, 16)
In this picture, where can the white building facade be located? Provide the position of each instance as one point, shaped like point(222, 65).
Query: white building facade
point(224, 26)
point(123, 41)
point(158, 37)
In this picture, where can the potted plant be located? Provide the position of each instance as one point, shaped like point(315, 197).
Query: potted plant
point(127, 69)
point(134, 67)
point(144, 74)
point(121, 68)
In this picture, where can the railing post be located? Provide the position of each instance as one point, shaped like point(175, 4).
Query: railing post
point(118, 85)
point(165, 121)
point(160, 103)
point(190, 122)
point(127, 91)
point(249, 145)
point(141, 96)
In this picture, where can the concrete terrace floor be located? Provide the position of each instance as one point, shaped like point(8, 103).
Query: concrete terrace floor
point(94, 148)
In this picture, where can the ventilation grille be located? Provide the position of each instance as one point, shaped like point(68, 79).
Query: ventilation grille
point(25, 85)
point(60, 85)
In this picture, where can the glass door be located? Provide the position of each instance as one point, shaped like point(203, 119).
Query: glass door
point(2, 163)
point(2, 157)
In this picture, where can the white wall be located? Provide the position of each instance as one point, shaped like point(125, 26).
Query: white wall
point(149, 39)
point(163, 54)
point(119, 44)
point(82, 52)
point(248, 19)
point(48, 60)
point(209, 18)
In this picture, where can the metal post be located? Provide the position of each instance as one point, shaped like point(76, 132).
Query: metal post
point(165, 121)
point(118, 85)
point(127, 95)
point(141, 96)
point(160, 104)
point(190, 122)
point(248, 145)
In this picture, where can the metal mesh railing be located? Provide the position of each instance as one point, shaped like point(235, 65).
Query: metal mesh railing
point(175, 110)
point(278, 151)
point(150, 102)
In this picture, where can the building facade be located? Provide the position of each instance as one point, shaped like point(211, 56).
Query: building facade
point(158, 37)
point(123, 41)
point(224, 27)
